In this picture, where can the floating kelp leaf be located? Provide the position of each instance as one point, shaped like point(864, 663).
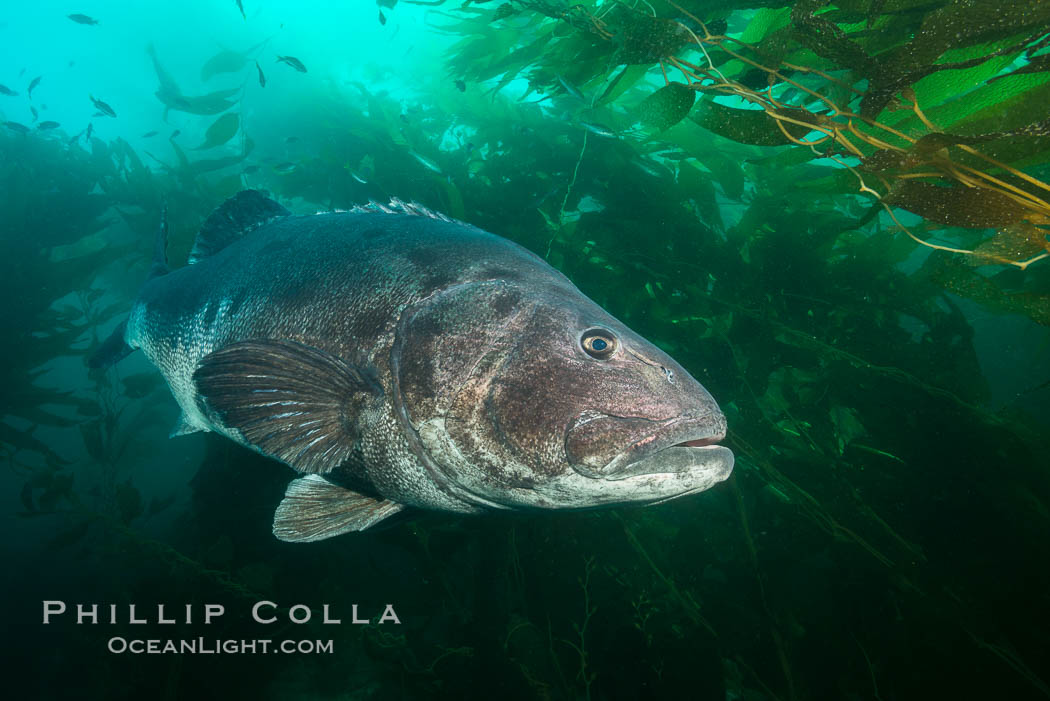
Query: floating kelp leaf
point(765, 21)
point(666, 107)
point(1007, 105)
point(787, 387)
point(91, 433)
point(514, 61)
point(728, 173)
point(1037, 64)
point(221, 131)
point(847, 426)
point(717, 26)
point(954, 25)
point(643, 38)
point(954, 275)
point(503, 11)
point(933, 145)
point(969, 207)
point(827, 40)
point(1019, 242)
point(623, 81)
point(942, 86)
point(754, 127)
point(702, 191)
point(885, 248)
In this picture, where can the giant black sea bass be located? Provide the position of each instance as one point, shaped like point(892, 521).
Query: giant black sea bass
point(397, 358)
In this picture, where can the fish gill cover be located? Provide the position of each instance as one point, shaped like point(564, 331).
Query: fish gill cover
point(833, 214)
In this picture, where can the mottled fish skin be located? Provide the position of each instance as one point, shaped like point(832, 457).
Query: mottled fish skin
point(487, 400)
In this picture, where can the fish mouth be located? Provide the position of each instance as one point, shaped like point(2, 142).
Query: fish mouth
point(678, 446)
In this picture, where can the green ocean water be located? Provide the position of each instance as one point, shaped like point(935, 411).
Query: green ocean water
point(833, 215)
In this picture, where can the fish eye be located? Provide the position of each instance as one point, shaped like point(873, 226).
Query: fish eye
point(598, 343)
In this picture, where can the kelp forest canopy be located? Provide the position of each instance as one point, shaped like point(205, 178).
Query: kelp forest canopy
point(934, 111)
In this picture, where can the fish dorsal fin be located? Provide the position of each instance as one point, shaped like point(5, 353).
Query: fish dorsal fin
point(314, 509)
point(397, 206)
point(289, 401)
point(234, 219)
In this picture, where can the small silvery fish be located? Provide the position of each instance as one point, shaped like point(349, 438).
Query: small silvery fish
point(15, 126)
point(599, 129)
point(4, 90)
point(262, 78)
point(104, 110)
point(426, 162)
point(83, 19)
point(32, 84)
point(48, 124)
point(149, 134)
point(284, 168)
point(397, 358)
point(570, 88)
point(293, 62)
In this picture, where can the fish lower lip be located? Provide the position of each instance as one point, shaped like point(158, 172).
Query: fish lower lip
point(698, 443)
point(678, 447)
point(680, 459)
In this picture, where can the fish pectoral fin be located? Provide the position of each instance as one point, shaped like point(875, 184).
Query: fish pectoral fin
point(293, 402)
point(314, 509)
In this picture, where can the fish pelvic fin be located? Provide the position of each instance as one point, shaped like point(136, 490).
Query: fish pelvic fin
point(315, 509)
point(183, 427)
point(112, 350)
point(233, 220)
point(290, 401)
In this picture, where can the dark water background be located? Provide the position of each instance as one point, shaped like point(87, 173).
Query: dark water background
point(884, 535)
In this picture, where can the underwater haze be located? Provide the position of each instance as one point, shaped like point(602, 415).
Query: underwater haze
point(833, 215)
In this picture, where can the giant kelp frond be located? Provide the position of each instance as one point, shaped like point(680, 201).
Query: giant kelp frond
point(933, 109)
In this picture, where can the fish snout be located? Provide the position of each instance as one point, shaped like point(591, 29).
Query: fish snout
point(675, 446)
point(612, 447)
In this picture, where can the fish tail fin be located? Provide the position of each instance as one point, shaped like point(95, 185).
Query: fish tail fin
point(115, 348)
